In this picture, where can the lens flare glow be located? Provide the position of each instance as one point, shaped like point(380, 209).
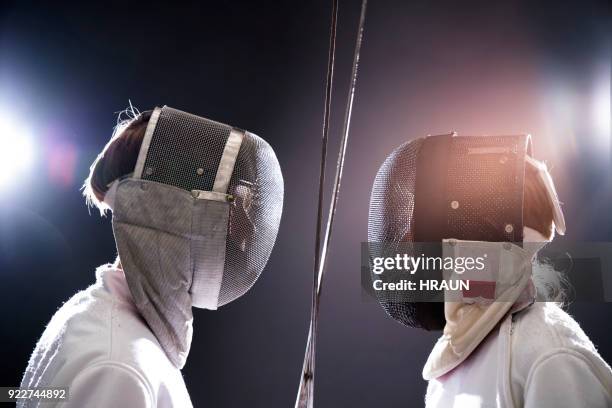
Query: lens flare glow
point(601, 110)
point(16, 151)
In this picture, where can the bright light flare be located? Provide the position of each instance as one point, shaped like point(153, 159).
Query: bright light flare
point(600, 106)
point(601, 109)
point(16, 151)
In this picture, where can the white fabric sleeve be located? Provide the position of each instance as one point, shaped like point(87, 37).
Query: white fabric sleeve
point(109, 385)
point(565, 379)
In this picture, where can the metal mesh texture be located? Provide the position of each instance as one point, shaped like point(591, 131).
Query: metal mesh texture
point(185, 152)
point(257, 185)
point(392, 197)
point(485, 179)
point(390, 221)
point(484, 201)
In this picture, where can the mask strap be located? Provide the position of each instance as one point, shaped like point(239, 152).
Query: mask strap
point(211, 220)
point(146, 143)
point(228, 160)
point(544, 176)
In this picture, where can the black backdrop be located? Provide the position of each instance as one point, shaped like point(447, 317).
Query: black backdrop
point(427, 67)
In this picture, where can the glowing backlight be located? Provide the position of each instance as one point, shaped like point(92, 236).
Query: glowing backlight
point(16, 151)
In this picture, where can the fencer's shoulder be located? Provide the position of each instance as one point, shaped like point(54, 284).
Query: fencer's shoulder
point(546, 333)
point(545, 326)
point(101, 324)
point(135, 347)
point(546, 340)
point(130, 341)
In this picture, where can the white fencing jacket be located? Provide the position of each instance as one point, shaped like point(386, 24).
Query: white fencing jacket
point(98, 345)
point(539, 357)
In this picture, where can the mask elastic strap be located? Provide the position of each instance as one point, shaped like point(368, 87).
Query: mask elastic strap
point(224, 171)
point(544, 176)
point(211, 220)
point(228, 161)
point(146, 143)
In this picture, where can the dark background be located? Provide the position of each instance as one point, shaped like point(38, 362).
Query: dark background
point(427, 67)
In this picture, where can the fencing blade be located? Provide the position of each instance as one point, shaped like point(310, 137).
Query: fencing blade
point(305, 396)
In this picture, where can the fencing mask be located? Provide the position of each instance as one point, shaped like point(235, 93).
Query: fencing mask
point(437, 188)
point(196, 221)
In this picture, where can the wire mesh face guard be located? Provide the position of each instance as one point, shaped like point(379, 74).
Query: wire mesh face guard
point(222, 189)
point(440, 187)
